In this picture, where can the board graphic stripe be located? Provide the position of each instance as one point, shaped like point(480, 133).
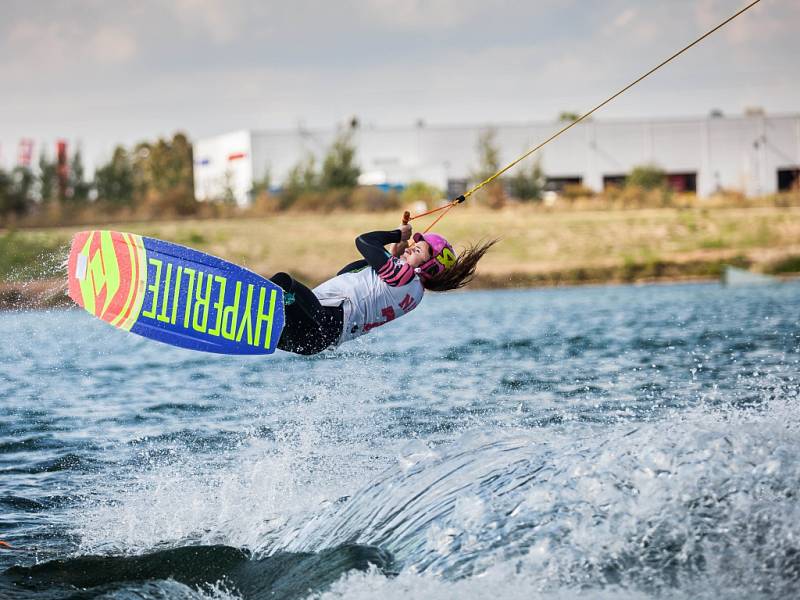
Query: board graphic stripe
point(127, 304)
point(152, 288)
point(138, 282)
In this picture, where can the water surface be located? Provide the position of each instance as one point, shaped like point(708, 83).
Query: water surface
point(611, 442)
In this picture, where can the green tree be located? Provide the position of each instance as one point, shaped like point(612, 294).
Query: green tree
point(302, 178)
point(488, 155)
point(568, 116)
point(16, 191)
point(78, 186)
point(114, 180)
point(489, 164)
point(648, 177)
point(528, 183)
point(5, 190)
point(228, 193)
point(261, 186)
point(419, 191)
point(48, 179)
point(339, 168)
point(164, 165)
point(162, 173)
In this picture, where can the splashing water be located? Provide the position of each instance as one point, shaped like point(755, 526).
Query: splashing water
point(604, 442)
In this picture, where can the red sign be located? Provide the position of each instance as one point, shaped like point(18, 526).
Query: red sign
point(25, 152)
point(62, 166)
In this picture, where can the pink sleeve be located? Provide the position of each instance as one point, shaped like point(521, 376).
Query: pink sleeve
point(395, 272)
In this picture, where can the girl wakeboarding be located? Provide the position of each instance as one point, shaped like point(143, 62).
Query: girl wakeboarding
point(381, 287)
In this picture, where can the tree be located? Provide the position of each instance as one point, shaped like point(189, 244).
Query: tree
point(163, 173)
point(528, 184)
point(5, 191)
point(228, 193)
point(16, 191)
point(114, 180)
point(302, 179)
point(78, 187)
point(339, 169)
point(48, 179)
point(165, 164)
point(488, 155)
point(489, 164)
point(261, 186)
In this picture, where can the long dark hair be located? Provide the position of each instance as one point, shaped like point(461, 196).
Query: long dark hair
point(461, 273)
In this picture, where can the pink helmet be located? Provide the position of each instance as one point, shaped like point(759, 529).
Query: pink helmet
point(442, 255)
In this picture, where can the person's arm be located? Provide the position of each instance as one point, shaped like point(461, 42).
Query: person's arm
point(389, 268)
point(398, 248)
point(356, 265)
point(372, 246)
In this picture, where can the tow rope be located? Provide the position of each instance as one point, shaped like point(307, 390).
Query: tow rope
point(447, 207)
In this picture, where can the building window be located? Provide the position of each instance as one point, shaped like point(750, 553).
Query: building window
point(682, 182)
point(456, 187)
point(557, 184)
point(614, 181)
point(789, 179)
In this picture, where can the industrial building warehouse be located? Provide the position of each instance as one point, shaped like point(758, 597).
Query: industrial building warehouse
point(754, 154)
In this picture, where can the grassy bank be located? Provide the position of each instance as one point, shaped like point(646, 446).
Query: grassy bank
point(537, 247)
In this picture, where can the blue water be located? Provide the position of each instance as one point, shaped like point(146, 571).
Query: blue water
point(632, 442)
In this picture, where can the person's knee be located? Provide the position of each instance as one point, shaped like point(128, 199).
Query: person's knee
point(283, 281)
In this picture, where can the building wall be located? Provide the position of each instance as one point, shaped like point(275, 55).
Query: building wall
point(736, 153)
point(223, 166)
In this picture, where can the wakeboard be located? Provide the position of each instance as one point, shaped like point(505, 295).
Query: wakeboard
point(174, 294)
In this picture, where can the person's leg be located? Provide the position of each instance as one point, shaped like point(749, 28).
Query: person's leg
point(304, 316)
point(285, 282)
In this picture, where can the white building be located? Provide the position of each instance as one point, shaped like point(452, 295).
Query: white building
point(755, 154)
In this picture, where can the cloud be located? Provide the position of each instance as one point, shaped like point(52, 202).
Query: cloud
point(625, 17)
point(221, 20)
point(762, 21)
point(111, 45)
point(50, 47)
point(121, 71)
point(42, 42)
point(421, 14)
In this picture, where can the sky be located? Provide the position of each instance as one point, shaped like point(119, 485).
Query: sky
point(104, 72)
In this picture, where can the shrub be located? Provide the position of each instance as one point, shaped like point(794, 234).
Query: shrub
point(301, 180)
point(634, 196)
point(419, 191)
point(325, 202)
point(575, 191)
point(372, 199)
point(648, 177)
point(528, 184)
point(264, 204)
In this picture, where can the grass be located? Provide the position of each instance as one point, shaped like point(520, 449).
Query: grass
point(537, 247)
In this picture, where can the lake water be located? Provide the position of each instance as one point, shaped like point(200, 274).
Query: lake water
point(612, 442)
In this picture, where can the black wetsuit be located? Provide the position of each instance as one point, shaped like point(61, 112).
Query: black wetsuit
point(309, 327)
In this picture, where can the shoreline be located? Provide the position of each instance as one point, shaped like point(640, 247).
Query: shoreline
point(51, 293)
point(537, 249)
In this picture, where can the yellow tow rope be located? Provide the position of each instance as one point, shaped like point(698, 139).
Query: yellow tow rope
point(446, 208)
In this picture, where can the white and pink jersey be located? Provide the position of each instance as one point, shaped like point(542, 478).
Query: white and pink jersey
point(371, 298)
